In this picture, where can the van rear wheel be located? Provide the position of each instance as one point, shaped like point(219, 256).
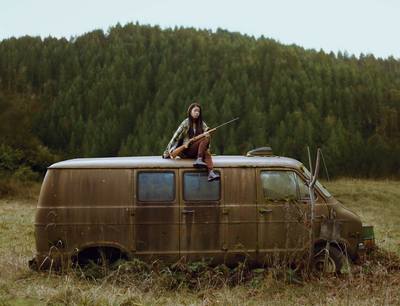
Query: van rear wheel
point(328, 260)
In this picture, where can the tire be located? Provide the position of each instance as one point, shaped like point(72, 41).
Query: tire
point(328, 261)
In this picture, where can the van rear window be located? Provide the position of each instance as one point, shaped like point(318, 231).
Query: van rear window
point(196, 187)
point(156, 186)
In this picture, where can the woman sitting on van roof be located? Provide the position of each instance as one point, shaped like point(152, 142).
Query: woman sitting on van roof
point(192, 126)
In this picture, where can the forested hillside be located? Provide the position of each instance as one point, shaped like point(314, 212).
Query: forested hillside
point(124, 92)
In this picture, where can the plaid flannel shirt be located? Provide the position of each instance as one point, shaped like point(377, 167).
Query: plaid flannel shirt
point(180, 135)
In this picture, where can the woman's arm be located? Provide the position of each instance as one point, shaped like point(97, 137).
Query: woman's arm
point(179, 134)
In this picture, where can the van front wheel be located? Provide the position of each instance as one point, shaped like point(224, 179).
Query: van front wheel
point(328, 260)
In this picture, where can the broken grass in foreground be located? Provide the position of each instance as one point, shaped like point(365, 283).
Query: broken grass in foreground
point(137, 283)
point(199, 276)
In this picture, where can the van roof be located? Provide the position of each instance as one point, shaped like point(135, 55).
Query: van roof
point(159, 162)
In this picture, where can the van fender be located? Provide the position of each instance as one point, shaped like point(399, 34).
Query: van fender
point(341, 244)
point(330, 231)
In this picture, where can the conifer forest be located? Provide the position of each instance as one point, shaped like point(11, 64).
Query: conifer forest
point(125, 91)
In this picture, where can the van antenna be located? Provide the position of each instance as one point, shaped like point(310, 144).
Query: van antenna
point(326, 168)
point(311, 184)
point(309, 160)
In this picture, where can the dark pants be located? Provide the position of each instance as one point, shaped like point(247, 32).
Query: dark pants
point(199, 148)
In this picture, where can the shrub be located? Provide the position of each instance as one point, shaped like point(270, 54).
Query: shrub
point(25, 174)
point(10, 158)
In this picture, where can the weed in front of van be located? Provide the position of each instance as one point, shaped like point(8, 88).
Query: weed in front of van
point(194, 276)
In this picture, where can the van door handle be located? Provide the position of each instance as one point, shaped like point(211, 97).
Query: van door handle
point(187, 211)
point(265, 211)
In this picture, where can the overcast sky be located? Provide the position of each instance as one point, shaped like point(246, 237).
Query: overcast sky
point(355, 26)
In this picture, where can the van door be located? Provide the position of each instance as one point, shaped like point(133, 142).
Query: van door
point(284, 210)
point(240, 213)
point(157, 214)
point(201, 213)
point(272, 205)
point(299, 218)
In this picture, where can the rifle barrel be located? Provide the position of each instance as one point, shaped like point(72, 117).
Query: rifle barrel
point(237, 118)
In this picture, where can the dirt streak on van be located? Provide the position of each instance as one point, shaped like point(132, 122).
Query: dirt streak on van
point(153, 208)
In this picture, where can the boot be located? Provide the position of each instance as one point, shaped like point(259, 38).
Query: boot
point(199, 163)
point(212, 176)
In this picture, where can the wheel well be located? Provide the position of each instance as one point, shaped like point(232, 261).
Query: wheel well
point(99, 255)
point(339, 245)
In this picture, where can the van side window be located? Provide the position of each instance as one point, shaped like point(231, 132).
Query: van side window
point(196, 187)
point(303, 189)
point(279, 185)
point(156, 186)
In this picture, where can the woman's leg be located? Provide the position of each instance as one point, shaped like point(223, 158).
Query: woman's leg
point(208, 160)
point(192, 151)
point(203, 146)
point(199, 150)
point(204, 154)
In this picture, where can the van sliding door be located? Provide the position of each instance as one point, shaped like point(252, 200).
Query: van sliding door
point(201, 229)
point(240, 214)
point(277, 194)
point(157, 214)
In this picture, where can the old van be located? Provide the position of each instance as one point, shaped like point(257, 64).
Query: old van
point(153, 208)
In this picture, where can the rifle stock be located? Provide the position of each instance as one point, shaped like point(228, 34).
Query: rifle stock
point(177, 151)
point(180, 149)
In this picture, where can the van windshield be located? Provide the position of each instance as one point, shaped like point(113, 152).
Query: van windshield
point(319, 185)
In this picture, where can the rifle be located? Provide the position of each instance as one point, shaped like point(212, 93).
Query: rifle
point(179, 149)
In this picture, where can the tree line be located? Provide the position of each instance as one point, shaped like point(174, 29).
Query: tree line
point(123, 93)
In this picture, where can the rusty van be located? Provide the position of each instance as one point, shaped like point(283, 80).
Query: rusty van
point(152, 208)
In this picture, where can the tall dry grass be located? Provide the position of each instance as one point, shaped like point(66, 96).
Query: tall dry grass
point(14, 188)
point(377, 202)
point(377, 282)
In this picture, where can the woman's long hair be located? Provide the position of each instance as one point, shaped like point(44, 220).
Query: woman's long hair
point(198, 122)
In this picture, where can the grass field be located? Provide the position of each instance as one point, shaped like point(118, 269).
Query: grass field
point(375, 283)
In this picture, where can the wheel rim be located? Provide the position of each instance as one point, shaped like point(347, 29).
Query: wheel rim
point(325, 264)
